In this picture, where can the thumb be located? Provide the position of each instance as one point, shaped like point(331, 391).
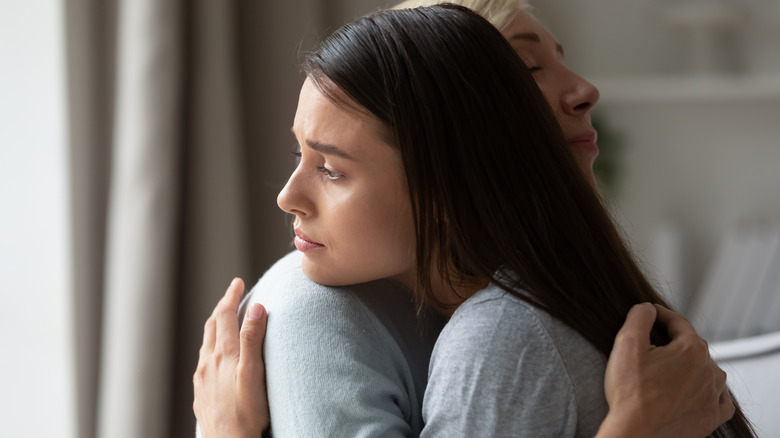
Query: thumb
point(253, 335)
point(639, 323)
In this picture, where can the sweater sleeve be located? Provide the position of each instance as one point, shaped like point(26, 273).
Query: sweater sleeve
point(334, 366)
point(496, 372)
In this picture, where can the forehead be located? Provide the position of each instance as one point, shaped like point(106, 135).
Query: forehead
point(319, 114)
point(343, 123)
point(524, 27)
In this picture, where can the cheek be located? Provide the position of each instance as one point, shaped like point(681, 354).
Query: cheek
point(389, 238)
point(401, 231)
point(552, 96)
point(386, 227)
point(370, 235)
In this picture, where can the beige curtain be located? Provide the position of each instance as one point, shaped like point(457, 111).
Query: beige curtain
point(179, 116)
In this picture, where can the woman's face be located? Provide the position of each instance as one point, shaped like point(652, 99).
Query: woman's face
point(570, 96)
point(353, 219)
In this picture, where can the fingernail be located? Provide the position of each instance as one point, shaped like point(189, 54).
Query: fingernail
point(235, 280)
point(256, 311)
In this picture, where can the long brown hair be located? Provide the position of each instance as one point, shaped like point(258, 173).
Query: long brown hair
point(495, 190)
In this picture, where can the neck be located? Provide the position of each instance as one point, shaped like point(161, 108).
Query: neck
point(452, 297)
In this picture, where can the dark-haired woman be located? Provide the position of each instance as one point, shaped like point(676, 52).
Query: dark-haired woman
point(430, 158)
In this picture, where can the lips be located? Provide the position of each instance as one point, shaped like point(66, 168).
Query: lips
point(304, 243)
point(585, 141)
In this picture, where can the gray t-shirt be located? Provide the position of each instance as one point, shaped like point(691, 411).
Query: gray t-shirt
point(503, 368)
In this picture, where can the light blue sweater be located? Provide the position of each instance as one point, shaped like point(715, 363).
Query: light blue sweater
point(344, 361)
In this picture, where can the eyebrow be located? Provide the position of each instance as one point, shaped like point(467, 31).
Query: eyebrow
point(328, 149)
point(534, 38)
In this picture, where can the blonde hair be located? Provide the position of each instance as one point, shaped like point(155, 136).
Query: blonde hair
point(498, 12)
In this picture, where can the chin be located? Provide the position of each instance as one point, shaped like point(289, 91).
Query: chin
point(328, 276)
point(591, 177)
point(319, 275)
point(586, 166)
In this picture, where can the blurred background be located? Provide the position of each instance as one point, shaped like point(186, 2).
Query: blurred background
point(143, 142)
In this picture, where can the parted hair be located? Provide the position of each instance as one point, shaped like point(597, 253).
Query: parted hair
point(496, 193)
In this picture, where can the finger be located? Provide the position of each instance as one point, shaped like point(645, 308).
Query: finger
point(232, 294)
point(726, 407)
point(253, 335)
point(235, 292)
point(720, 378)
point(227, 316)
point(209, 336)
point(636, 329)
point(676, 325)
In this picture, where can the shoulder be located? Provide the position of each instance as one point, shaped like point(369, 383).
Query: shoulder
point(295, 301)
point(327, 347)
point(285, 281)
point(291, 297)
point(499, 335)
point(495, 319)
point(495, 315)
point(504, 318)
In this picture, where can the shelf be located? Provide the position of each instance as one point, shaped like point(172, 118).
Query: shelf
point(687, 89)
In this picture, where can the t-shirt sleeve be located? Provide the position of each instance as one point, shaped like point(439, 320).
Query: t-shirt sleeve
point(495, 372)
point(331, 369)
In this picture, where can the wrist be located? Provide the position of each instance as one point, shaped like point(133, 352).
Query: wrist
point(617, 425)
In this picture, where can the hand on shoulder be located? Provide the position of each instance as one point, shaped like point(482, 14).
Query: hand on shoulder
point(229, 382)
point(674, 390)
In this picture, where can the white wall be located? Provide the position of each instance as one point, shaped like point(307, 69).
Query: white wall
point(36, 374)
point(608, 37)
point(703, 167)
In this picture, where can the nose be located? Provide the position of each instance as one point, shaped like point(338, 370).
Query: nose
point(294, 197)
point(580, 95)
